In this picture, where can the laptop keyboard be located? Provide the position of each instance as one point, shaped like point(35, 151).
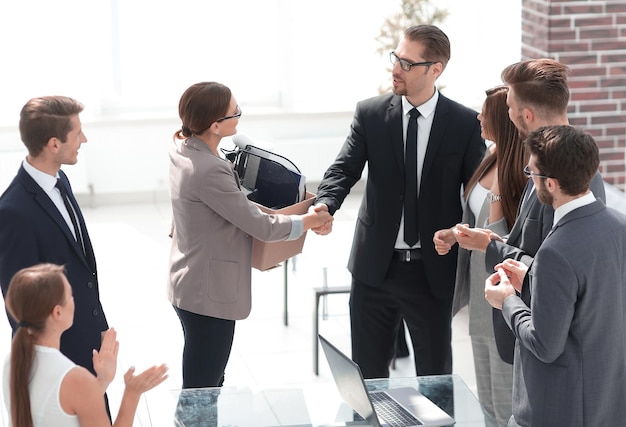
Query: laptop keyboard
point(390, 411)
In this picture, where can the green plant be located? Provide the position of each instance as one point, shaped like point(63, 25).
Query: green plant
point(414, 12)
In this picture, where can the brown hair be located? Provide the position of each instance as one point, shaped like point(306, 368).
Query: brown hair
point(541, 84)
point(44, 118)
point(32, 295)
point(436, 43)
point(567, 154)
point(200, 106)
point(510, 155)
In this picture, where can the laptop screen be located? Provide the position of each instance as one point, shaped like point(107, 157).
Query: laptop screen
point(349, 380)
point(419, 410)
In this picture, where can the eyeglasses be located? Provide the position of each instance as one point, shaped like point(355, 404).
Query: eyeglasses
point(234, 116)
point(406, 65)
point(528, 173)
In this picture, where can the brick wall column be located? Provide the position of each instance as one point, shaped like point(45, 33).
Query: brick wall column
point(589, 36)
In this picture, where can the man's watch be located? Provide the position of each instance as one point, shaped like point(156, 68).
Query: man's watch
point(495, 197)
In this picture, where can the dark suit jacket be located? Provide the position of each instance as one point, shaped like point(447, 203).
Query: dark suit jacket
point(454, 150)
point(571, 343)
point(532, 225)
point(33, 231)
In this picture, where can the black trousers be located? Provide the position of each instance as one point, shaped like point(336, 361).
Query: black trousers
point(208, 341)
point(376, 313)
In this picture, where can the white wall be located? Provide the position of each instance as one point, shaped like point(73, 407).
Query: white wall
point(297, 68)
point(128, 160)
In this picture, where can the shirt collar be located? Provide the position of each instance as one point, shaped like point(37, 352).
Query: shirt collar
point(45, 181)
point(426, 109)
point(566, 208)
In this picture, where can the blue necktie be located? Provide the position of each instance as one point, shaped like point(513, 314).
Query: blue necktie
point(410, 181)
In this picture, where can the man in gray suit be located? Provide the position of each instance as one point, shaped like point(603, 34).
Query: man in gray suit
point(570, 353)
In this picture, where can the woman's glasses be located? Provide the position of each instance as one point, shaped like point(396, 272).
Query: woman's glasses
point(234, 116)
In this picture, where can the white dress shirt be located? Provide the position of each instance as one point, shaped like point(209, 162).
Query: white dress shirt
point(424, 123)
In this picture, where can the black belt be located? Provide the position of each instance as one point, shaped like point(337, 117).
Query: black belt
point(407, 255)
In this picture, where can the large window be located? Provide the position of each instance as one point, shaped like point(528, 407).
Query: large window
point(133, 58)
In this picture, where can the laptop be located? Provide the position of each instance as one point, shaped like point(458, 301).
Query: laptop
point(397, 407)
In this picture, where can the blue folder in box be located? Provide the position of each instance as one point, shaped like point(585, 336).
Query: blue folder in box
point(269, 179)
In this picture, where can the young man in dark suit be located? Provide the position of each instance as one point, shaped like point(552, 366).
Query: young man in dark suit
point(40, 220)
point(396, 272)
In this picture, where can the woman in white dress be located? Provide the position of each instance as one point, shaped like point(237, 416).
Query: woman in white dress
point(41, 385)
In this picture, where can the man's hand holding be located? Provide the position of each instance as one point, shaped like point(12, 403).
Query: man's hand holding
point(515, 271)
point(498, 288)
point(474, 239)
point(325, 228)
point(444, 240)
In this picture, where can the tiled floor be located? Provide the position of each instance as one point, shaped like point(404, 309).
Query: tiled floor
point(132, 249)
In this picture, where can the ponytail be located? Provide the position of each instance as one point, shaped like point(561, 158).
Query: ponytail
point(32, 295)
point(22, 355)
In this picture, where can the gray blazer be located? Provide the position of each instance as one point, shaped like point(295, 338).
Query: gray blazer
point(532, 225)
point(570, 354)
point(213, 226)
point(471, 275)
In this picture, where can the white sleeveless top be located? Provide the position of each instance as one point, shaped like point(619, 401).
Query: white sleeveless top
point(49, 368)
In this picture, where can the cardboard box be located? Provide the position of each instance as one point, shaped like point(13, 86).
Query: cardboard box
point(266, 255)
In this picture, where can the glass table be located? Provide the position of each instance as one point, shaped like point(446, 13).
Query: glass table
point(312, 405)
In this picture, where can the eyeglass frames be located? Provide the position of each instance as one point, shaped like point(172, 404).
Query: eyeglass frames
point(528, 173)
point(234, 116)
point(406, 65)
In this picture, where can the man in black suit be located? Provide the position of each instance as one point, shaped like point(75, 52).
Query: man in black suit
point(39, 224)
point(538, 94)
point(396, 272)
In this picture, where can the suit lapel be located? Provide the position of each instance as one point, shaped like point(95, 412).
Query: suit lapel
point(45, 202)
point(50, 209)
point(521, 218)
point(580, 212)
point(577, 213)
point(393, 122)
point(437, 131)
point(528, 188)
point(88, 254)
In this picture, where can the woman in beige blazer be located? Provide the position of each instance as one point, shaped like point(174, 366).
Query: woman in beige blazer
point(214, 223)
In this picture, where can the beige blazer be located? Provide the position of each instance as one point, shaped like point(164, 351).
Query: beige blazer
point(213, 226)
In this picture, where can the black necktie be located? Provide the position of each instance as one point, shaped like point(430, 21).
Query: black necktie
point(70, 211)
point(410, 181)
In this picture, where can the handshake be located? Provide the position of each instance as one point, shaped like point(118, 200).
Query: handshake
point(318, 219)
